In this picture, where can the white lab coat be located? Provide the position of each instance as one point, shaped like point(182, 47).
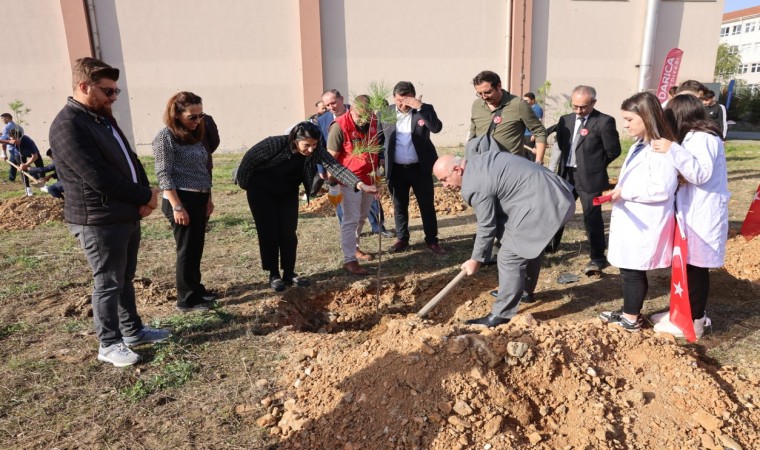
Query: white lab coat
point(642, 221)
point(702, 203)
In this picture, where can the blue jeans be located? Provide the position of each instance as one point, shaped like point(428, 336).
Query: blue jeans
point(111, 251)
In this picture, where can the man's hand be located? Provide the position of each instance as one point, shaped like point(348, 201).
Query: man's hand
point(145, 210)
point(370, 189)
point(153, 203)
point(414, 103)
point(23, 167)
point(471, 267)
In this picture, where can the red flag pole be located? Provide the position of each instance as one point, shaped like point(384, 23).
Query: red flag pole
point(680, 305)
point(751, 225)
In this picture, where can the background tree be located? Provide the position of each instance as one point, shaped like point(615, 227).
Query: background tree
point(726, 63)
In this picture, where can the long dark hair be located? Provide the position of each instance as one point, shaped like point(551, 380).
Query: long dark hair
point(687, 113)
point(174, 109)
point(646, 106)
point(303, 130)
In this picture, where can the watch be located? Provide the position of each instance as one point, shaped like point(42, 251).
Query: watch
point(177, 208)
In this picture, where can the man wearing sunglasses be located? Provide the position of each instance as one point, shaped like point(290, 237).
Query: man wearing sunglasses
point(107, 193)
point(505, 117)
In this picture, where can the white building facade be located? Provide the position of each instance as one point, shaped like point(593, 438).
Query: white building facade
point(741, 31)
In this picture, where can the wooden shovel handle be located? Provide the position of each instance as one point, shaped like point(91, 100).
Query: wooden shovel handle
point(22, 171)
point(435, 300)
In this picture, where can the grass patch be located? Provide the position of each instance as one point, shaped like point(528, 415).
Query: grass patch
point(182, 323)
point(12, 328)
point(172, 371)
point(156, 231)
point(74, 326)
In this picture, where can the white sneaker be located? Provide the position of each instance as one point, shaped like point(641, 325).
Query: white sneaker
point(147, 336)
point(659, 317)
point(44, 189)
point(29, 192)
point(118, 354)
point(665, 326)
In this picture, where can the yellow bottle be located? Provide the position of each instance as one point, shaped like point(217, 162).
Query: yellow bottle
point(334, 194)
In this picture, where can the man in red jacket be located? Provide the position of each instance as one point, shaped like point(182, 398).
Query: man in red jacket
point(359, 129)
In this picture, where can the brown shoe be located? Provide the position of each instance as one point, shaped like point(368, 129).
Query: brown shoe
point(354, 268)
point(361, 256)
point(437, 249)
point(399, 246)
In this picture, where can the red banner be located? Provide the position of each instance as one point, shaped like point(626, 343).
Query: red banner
point(751, 226)
point(669, 75)
point(680, 306)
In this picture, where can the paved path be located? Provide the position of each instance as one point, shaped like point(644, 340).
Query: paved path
point(743, 135)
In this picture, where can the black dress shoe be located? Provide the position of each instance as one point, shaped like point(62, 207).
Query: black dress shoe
point(526, 298)
point(487, 321)
point(277, 284)
point(399, 246)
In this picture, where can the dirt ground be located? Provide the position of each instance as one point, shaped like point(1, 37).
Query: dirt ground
point(361, 371)
point(343, 365)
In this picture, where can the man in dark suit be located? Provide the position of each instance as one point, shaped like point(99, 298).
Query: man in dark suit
point(516, 201)
point(409, 159)
point(107, 193)
point(589, 142)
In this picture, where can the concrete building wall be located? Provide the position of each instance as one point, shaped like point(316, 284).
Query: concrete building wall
point(599, 43)
point(438, 46)
point(35, 66)
point(241, 57)
point(258, 67)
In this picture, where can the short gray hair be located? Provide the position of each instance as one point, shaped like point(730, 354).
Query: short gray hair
point(588, 90)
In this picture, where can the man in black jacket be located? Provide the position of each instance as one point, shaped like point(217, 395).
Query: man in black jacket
point(409, 159)
point(589, 142)
point(107, 193)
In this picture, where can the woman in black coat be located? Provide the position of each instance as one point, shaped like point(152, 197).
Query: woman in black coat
point(271, 172)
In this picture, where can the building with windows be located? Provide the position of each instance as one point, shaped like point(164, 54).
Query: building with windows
point(741, 31)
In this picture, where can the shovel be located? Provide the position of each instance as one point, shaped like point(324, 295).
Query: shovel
point(32, 181)
point(435, 300)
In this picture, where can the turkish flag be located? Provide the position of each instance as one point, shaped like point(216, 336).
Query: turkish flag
point(751, 226)
point(680, 306)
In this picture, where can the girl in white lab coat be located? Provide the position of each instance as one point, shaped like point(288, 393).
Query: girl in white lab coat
point(642, 221)
point(703, 201)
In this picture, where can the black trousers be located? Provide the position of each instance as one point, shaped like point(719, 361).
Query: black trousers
point(276, 216)
point(635, 287)
point(190, 240)
point(592, 220)
point(699, 288)
point(404, 177)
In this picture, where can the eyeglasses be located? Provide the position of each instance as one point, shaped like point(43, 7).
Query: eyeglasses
point(110, 92)
point(195, 116)
point(488, 92)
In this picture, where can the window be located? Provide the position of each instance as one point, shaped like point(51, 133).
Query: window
point(737, 29)
point(746, 48)
point(757, 46)
point(749, 27)
point(743, 68)
point(724, 31)
point(734, 49)
point(755, 68)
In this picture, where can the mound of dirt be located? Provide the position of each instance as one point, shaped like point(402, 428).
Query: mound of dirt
point(26, 213)
point(446, 203)
point(584, 385)
point(743, 258)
